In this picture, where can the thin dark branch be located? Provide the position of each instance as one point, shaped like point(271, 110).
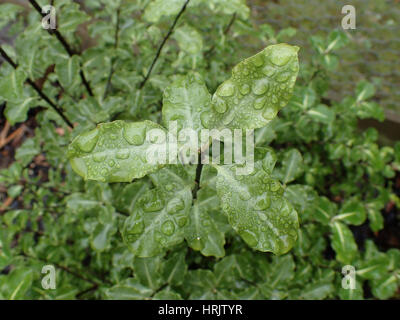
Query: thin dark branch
point(226, 31)
point(65, 44)
point(199, 168)
point(170, 31)
point(116, 36)
point(92, 288)
point(38, 90)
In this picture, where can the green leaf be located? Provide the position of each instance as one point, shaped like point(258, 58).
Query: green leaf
point(27, 151)
point(101, 237)
point(11, 85)
point(158, 8)
point(370, 109)
point(322, 114)
point(116, 151)
point(71, 17)
point(167, 294)
point(336, 40)
point(364, 90)
point(184, 100)
point(68, 72)
point(325, 210)
point(259, 87)
point(385, 287)
point(147, 270)
point(343, 243)
point(175, 268)
point(129, 289)
point(16, 111)
point(256, 208)
point(205, 231)
point(352, 212)
point(158, 222)
point(9, 12)
point(189, 39)
point(229, 7)
point(352, 294)
point(292, 166)
point(18, 283)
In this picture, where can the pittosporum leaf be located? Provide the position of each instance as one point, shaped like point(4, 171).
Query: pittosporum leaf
point(117, 151)
point(256, 208)
point(184, 101)
point(159, 220)
point(259, 87)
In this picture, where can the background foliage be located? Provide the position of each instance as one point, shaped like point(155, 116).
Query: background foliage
point(343, 184)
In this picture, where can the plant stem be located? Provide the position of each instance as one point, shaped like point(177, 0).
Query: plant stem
point(170, 31)
point(37, 89)
point(199, 168)
point(65, 44)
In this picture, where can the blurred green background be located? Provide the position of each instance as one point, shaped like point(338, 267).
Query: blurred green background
point(372, 54)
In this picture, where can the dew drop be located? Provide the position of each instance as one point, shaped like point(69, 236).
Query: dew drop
point(104, 172)
point(88, 140)
point(154, 204)
point(260, 87)
point(274, 186)
point(228, 118)
point(282, 53)
point(245, 89)
point(137, 228)
point(282, 77)
point(227, 89)
point(99, 157)
point(263, 204)
point(168, 228)
point(197, 244)
point(220, 106)
point(111, 163)
point(175, 205)
point(269, 113)
point(258, 60)
point(205, 118)
point(268, 71)
point(249, 237)
point(135, 133)
point(182, 221)
point(259, 104)
point(245, 195)
point(123, 154)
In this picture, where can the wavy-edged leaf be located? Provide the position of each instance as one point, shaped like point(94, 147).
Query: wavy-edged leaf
point(129, 289)
point(343, 242)
point(67, 71)
point(184, 101)
point(11, 85)
point(115, 151)
point(206, 227)
point(189, 39)
point(259, 87)
point(159, 220)
point(256, 208)
point(352, 212)
point(292, 166)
